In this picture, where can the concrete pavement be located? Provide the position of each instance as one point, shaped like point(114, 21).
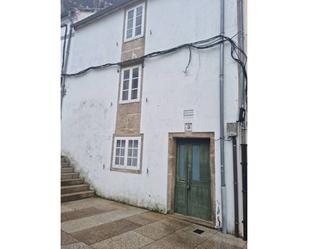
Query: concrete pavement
point(96, 223)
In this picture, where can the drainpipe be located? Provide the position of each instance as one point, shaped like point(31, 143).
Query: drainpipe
point(243, 125)
point(241, 45)
point(235, 181)
point(64, 46)
point(221, 76)
point(244, 188)
point(65, 65)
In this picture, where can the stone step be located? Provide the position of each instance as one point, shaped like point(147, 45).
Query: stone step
point(70, 182)
point(69, 175)
point(65, 164)
point(77, 195)
point(74, 188)
point(67, 170)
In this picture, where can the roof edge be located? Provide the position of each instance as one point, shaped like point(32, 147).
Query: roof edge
point(102, 13)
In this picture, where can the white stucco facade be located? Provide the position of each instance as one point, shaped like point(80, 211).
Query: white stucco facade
point(90, 105)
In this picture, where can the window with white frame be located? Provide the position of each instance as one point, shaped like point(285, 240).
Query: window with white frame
point(127, 152)
point(135, 22)
point(130, 84)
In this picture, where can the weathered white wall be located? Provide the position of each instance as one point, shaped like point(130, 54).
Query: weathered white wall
point(170, 91)
point(89, 109)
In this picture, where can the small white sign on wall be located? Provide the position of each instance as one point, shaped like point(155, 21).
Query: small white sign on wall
point(188, 127)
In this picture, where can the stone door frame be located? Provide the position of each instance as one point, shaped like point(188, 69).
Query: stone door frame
point(172, 148)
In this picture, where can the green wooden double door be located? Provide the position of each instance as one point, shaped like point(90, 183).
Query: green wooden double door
point(192, 185)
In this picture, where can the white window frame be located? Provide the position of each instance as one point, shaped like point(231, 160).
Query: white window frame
point(134, 23)
point(138, 167)
point(129, 100)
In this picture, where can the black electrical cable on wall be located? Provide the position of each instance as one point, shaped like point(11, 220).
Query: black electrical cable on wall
point(202, 44)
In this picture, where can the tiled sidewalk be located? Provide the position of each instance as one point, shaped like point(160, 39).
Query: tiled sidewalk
point(96, 223)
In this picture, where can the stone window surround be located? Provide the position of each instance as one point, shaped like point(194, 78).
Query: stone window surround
point(128, 170)
point(172, 144)
point(140, 79)
point(125, 39)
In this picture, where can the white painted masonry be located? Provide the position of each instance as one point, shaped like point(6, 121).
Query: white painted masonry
point(90, 104)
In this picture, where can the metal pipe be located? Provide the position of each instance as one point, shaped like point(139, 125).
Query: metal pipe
point(244, 187)
point(235, 180)
point(63, 92)
point(64, 47)
point(221, 76)
point(241, 45)
point(62, 66)
point(243, 127)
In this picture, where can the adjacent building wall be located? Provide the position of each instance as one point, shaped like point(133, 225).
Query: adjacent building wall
point(90, 106)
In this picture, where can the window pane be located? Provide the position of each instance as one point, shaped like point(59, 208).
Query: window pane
point(123, 143)
point(138, 21)
point(130, 24)
point(129, 162)
point(117, 161)
point(126, 74)
point(130, 152)
point(129, 33)
point(139, 10)
point(125, 85)
point(138, 30)
point(135, 152)
point(134, 83)
point(118, 143)
point(117, 152)
point(121, 161)
point(134, 94)
point(134, 162)
point(130, 14)
point(122, 152)
point(130, 143)
point(135, 143)
point(135, 72)
point(125, 95)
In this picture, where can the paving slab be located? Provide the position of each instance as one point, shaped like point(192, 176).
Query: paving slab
point(67, 239)
point(90, 202)
point(156, 230)
point(76, 246)
point(129, 240)
point(146, 218)
point(105, 231)
point(179, 239)
point(207, 232)
point(228, 239)
point(222, 241)
point(175, 224)
point(73, 226)
point(81, 213)
point(97, 223)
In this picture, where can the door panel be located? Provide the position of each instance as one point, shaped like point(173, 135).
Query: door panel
point(181, 176)
point(192, 190)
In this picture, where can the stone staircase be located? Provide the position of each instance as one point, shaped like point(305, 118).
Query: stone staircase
point(73, 186)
